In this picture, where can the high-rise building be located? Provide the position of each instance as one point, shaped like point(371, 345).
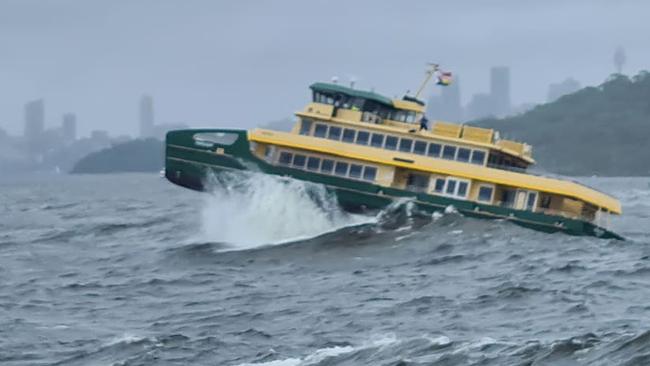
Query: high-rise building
point(146, 116)
point(34, 120)
point(568, 86)
point(500, 90)
point(69, 127)
point(481, 106)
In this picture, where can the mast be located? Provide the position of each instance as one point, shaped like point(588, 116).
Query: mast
point(433, 68)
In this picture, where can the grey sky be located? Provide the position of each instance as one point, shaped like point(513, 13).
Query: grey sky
point(241, 63)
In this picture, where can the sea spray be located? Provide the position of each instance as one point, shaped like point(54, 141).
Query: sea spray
point(247, 210)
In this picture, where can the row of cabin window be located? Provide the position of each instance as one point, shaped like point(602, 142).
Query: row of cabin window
point(355, 103)
point(328, 166)
point(451, 187)
point(460, 188)
point(394, 143)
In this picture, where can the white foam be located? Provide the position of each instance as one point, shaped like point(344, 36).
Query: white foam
point(439, 341)
point(311, 359)
point(125, 338)
point(252, 210)
point(321, 354)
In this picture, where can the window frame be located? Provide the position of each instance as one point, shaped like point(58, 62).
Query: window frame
point(492, 192)
point(326, 130)
point(347, 168)
point(329, 133)
point(471, 160)
point(455, 151)
point(359, 133)
point(360, 171)
point(386, 142)
point(288, 163)
point(312, 158)
point(469, 154)
point(457, 183)
point(424, 151)
point(304, 162)
point(383, 140)
point(354, 135)
point(402, 140)
point(439, 150)
point(374, 174)
point(306, 122)
point(326, 161)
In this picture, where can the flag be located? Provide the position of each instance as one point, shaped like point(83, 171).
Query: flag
point(444, 78)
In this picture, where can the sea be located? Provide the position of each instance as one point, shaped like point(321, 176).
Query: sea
point(129, 269)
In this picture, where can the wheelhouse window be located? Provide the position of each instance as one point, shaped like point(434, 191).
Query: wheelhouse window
point(463, 154)
point(362, 137)
point(327, 166)
point(285, 158)
point(420, 147)
point(485, 194)
point(377, 140)
point(369, 173)
point(391, 143)
point(348, 135)
point(449, 152)
point(299, 160)
point(399, 116)
point(341, 168)
point(313, 163)
point(410, 117)
point(405, 145)
point(334, 133)
point(434, 150)
point(305, 127)
point(320, 130)
point(478, 157)
point(355, 171)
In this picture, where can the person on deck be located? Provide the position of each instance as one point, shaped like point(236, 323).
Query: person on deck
point(424, 123)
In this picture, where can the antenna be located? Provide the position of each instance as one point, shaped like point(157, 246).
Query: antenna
point(433, 68)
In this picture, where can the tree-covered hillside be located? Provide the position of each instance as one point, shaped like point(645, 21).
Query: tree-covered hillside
point(132, 156)
point(602, 130)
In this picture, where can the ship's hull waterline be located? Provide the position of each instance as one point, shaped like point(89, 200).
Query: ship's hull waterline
point(188, 164)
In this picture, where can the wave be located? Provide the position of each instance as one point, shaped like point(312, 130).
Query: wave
point(586, 349)
point(252, 210)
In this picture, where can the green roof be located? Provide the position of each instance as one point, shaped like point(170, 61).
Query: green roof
point(336, 88)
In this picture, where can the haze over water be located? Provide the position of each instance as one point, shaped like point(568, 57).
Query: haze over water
point(131, 270)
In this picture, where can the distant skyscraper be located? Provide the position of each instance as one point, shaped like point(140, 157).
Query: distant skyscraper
point(34, 119)
point(146, 116)
point(619, 59)
point(568, 86)
point(500, 90)
point(69, 127)
point(481, 106)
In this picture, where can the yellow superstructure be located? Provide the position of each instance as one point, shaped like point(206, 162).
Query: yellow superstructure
point(363, 135)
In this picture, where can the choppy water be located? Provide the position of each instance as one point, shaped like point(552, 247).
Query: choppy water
point(131, 270)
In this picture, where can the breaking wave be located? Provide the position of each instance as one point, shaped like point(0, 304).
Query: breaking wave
point(251, 210)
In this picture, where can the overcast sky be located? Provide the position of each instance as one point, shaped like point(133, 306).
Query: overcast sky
point(241, 63)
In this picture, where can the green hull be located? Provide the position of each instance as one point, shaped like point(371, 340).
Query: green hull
point(188, 163)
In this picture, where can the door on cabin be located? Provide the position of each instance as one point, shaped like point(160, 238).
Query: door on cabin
point(417, 182)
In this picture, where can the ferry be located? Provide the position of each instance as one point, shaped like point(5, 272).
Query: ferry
point(371, 150)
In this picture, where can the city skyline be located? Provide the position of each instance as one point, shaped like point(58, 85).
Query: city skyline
point(207, 62)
